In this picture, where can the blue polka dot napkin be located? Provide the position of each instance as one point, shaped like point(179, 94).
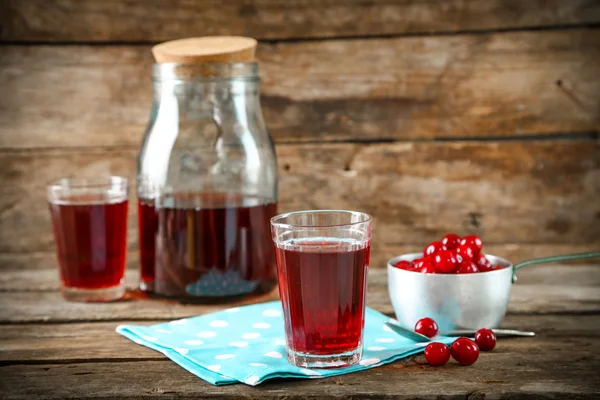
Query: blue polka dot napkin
point(247, 344)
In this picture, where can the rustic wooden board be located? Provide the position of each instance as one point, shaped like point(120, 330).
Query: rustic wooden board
point(572, 289)
point(479, 86)
point(587, 275)
point(78, 342)
point(158, 20)
point(521, 368)
point(508, 192)
point(380, 254)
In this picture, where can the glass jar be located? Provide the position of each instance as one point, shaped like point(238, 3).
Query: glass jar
point(207, 185)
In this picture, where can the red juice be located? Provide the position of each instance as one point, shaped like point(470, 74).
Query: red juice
point(214, 246)
point(147, 230)
point(322, 284)
point(91, 241)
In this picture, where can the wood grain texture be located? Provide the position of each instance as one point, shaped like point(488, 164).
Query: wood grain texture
point(159, 20)
point(532, 192)
point(519, 368)
point(47, 280)
point(560, 290)
point(509, 84)
point(78, 342)
point(380, 254)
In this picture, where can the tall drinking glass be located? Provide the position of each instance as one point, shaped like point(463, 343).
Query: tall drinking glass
point(322, 260)
point(89, 218)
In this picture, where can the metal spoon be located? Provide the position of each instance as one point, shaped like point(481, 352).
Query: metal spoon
point(417, 337)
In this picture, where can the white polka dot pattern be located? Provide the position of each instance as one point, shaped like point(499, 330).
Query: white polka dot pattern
point(224, 356)
point(310, 372)
point(252, 381)
point(247, 344)
point(214, 368)
point(369, 361)
point(271, 313)
point(273, 354)
point(251, 335)
point(258, 365)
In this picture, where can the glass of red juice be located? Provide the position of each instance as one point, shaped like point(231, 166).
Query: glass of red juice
point(322, 260)
point(89, 219)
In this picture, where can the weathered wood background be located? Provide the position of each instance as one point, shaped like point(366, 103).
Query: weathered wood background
point(475, 116)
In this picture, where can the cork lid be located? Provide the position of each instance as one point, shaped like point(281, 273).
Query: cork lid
point(208, 49)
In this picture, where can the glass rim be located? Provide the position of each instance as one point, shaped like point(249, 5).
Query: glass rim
point(75, 182)
point(368, 219)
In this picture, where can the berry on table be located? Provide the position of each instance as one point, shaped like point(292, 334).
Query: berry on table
point(437, 353)
point(427, 327)
point(451, 241)
point(485, 339)
point(432, 248)
point(445, 261)
point(403, 264)
point(474, 242)
point(465, 351)
point(467, 267)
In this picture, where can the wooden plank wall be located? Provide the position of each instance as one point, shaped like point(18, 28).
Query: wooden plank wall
point(475, 116)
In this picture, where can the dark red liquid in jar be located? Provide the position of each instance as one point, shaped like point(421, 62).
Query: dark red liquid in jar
point(322, 286)
point(147, 229)
point(214, 246)
point(91, 241)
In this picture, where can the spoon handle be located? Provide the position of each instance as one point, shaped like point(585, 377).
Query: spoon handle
point(498, 332)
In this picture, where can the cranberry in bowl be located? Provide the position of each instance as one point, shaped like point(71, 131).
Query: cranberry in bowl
point(454, 282)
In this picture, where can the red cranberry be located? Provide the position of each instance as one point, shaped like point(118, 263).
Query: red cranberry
point(427, 327)
point(433, 248)
point(483, 263)
point(418, 263)
point(445, 261)
point(403, 264)
point(451, 241)
point(485, 339)
point(465, 351)
point(427, 267)
point(437, 353)
point(467, 267)
point(465, 252)
point(474, 242)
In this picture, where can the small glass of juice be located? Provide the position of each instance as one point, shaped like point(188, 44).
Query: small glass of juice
point(322, 261)
point(89, 219)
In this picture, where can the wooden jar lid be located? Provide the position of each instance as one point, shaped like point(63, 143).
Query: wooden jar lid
point(208, 49)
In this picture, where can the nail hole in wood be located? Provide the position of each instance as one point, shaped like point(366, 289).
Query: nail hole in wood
point(286, 167)
point(559, 82)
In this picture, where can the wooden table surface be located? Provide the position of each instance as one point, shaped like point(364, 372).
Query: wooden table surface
point(51, 349)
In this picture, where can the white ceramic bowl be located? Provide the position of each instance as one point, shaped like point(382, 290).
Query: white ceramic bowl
point(454, 301)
